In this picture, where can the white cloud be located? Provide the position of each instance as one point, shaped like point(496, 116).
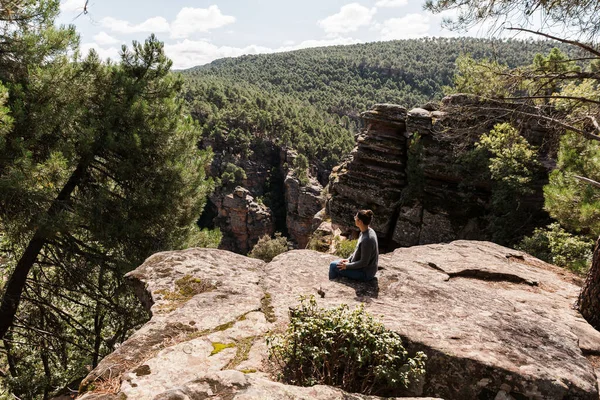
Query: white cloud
point(351, 17)
point(391, 3)
point(104, 53)
point(155, 24)
point(104, 39)
point(190, 53)
point(407, 27)
point(191, 20)
point(319, 43)
point(72, 5)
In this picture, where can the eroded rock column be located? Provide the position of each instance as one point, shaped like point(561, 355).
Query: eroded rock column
point(374, 174)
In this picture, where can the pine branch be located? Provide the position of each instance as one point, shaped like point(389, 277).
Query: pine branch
point(588, 180)
point(571, 42)
point(582, 99)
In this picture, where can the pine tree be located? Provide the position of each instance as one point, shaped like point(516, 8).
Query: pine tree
point(99, 168)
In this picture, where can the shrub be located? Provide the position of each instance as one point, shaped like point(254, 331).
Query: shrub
point(268, 248)
point(319, 241)
point(301, 168)
point(232, 175)
point(557, 246)
point(210, 238)
point(345, 248)
point(342, 348)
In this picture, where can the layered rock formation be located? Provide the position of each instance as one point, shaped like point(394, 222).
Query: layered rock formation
point(494, 323)
point(405, 169)
point(374, 175)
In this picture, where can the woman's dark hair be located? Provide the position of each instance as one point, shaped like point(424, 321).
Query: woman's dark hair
point(365, 216)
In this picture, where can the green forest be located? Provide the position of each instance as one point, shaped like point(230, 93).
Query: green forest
point(102, 164)
point(347, 80)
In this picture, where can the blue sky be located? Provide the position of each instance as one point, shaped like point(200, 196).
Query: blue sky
point(197, 32)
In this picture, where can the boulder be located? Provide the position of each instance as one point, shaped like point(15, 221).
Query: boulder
point(492, 321)
point(243, 220)
point(302, 203)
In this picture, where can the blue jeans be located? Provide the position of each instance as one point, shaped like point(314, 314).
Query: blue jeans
point(356, 274)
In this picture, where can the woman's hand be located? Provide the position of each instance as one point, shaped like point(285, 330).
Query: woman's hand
point(342, 264)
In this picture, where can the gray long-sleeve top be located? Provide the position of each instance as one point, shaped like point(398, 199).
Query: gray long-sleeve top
point(366, 254)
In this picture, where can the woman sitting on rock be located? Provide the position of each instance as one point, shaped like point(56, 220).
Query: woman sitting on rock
point(362, 264)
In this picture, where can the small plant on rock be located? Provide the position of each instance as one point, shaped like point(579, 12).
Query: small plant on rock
point(319, 241)
point(268, 248)
point(345, 248)
point(343, 348)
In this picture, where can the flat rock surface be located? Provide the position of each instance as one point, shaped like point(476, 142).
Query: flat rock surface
point(493, 322)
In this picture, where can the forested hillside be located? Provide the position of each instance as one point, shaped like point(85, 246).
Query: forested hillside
point(347, 80)
point(237, 117)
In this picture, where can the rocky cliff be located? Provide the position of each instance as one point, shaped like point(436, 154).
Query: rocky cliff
point(406, 167)
point(495, 324)
point(243, 219)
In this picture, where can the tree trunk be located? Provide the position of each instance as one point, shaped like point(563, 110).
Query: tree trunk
point(589, 298)
point(12, 364)
point(45, 361)
point(98, 320)
point(14, 287)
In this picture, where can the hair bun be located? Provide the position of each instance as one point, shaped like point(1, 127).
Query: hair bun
point(369, 213)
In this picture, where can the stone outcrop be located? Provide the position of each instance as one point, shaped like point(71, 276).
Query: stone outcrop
point(494, 323)
point(325, 238)
point(405, 169)
point(244, 220)
point(374, 175)
point(302, 203)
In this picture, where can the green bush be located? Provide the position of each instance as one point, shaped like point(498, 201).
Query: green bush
point(301, 168)
point(210, 238)
point(232, 175)
point(555, 245)
point(268, 248)
point(319, 241)
point(345, 248)
point(342, 348)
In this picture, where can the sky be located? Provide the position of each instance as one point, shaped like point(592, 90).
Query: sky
point(196, 32)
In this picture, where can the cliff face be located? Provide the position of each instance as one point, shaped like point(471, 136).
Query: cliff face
point(375, 174)
point(303, 202)
point(494, 323)
point(406, 169)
